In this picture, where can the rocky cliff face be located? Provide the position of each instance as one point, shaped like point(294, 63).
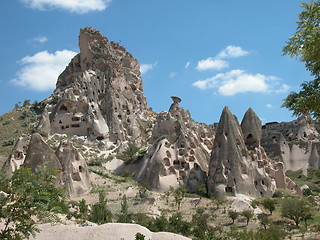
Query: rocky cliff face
point(71, 167)
point(179, 154)
point(99, 97)
point(295, 143)
point(238, 162)
point(100, 92)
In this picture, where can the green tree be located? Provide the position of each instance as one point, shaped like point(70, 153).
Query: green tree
point(202, 190)
point(132, 153)
point(305, 45)
point(179, 194)
point(99, 211)
point(139, 236)
point(264, 220)
point(200, 223)
point(248, 215)
point(233, 215)
point(27, 194)
point(83, 208)
point(217, 201)
point(269, 204)
point(124, 216)
point(178, 225)
point(297, 210)
point(26, 103)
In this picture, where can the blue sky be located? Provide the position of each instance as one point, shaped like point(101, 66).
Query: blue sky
point(210, 53)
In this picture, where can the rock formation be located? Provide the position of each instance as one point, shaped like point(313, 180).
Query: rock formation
point(179, 154)
point(295, 143)
point(75, 175)
point(44, 127)
point(100, 92)
point(67, 161)
point(238, 162)
point(17, 156)
point(40, 153)
point(108, 231)
point(100, 96)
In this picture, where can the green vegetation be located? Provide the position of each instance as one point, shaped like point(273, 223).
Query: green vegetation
point(305, 45)
point(248, 215)
point(233, 215)
point(131, 154)
point(22, 120)
point(100, 213)
point(312, 179)
point(27, 194)
point(139, 236)
point(296, 209)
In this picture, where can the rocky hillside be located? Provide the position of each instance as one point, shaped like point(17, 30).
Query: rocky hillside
point(98, 115)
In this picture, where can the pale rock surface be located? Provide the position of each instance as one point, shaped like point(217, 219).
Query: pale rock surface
point(238, 162)
point(40, 153)
point(44, 127)
point(17, 156)
point(109, 231)
point(295, 143)
point(75, 174)
point(100, 93)
point(179, 155)
point(240, 205)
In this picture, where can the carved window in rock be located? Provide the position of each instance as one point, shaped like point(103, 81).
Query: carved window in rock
point(229, 189)
point(75, 119)
point(251, 142)
point(182, 175)
point(99, 138)
point(177, 164)
point(75, 125)
point(63, 108)
point(196, 166)
point(166, 161)
point(18, 155)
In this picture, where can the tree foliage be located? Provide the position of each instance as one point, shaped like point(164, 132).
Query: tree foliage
point(233, 215)
point(131, 154)
point(305, 45)
point(269, 204)
point(248, 215)
point(27, 194)
point(297, 210)
point(99, 211)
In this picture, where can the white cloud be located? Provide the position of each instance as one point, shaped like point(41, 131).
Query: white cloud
point(41, 39)
point(211, 63)
point(147, 67)
point(76, 6)
point(40, 71)
point(217, 63)
point(283, 88)
point(187, 64)
point(239, 81)
point(172, 75)
point(269, 105)
point(232, 52)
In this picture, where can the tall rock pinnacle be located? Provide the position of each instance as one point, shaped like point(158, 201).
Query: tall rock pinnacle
point(235, 168)
point(100, 92)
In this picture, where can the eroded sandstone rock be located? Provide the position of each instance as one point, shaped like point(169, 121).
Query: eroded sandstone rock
point(100, 92)
point(238, 162)
point(75, 174)
point(295, 143)
point(179, 153)
point(17, 156)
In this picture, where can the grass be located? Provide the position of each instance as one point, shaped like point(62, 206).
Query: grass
point(13, 124)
